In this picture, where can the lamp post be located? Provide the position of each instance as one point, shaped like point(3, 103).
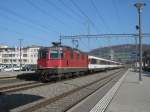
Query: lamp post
point(20, 42)
point(139, 7)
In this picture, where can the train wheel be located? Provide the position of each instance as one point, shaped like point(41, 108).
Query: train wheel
point(44, 77)
point(68, 75)
point(59, 77)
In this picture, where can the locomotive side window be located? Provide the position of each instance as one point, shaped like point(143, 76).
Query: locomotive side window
point(82, 56)
point(62, 55)
point(72, 55)
point(78, 56)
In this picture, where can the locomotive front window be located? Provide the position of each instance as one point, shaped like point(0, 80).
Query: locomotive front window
point(42, 54)
point(56, 54)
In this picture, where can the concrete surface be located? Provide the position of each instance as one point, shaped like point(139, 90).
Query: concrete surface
point(13, 73)
point(132, 96)
point(55, 89)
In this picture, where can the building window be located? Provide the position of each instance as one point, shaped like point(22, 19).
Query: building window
point(10, 55)
point(25, 60)
point(5, 60)
point(24, 55)
point(5, 55)
point(10, 60)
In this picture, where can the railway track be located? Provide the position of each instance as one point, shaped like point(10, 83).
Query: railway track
point(19, 87)
point(7, 78)
point(85, 89)
point(25, 86)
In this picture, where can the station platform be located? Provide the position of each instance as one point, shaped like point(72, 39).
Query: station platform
point(13, 74)
point(132, 95)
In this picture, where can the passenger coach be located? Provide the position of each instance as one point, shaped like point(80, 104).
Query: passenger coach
point(98, 64)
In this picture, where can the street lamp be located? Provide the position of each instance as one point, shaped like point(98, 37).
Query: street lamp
point(20, 42)
point(139, 7)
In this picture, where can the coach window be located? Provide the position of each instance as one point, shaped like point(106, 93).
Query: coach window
point(98, 61)
point(103, 62)
point(93, 61)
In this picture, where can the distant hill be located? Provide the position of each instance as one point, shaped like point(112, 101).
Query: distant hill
point(124, 53)
point(118, 48)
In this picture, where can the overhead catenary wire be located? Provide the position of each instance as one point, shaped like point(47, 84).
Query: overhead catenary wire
point(12, 31)
point(82, 12)
point(64, 12)
point(31, 21)
point(49, 15)
point(20, 22)
point(117, 14)
point(104, 36)
point(84, 44)
point(71, 10)
point(100, 16)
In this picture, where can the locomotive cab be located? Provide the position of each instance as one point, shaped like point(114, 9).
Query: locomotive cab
point(50, 57)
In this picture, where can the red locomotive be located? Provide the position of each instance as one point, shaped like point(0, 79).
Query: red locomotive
point(60, 60)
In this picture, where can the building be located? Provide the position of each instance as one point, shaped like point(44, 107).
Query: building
point(11, 56)
point(3, 46)
point(146, 59)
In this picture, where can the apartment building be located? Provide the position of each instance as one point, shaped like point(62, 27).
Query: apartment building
point(11, 56)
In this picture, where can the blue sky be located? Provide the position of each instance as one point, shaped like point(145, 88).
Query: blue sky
point(41, 22)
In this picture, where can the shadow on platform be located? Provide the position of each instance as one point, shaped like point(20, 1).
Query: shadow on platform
point(8, 102)
point(145, 73)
